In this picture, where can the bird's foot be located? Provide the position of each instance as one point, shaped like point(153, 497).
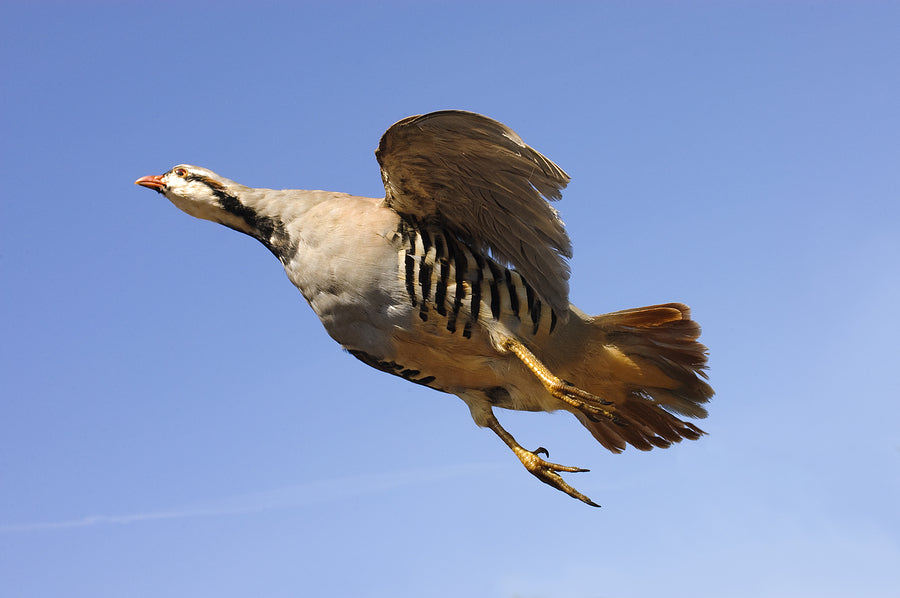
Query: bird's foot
point(582, 399)
point(548, 472)
point(563, 390)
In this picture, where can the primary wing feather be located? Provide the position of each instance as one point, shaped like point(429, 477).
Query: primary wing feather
point(477, 178)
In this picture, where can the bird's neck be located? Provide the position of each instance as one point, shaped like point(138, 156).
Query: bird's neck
point(265, 214)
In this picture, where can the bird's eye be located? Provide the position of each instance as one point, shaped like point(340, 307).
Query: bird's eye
point(180, 172)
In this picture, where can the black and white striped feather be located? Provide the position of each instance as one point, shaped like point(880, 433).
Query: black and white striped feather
point(475, 178)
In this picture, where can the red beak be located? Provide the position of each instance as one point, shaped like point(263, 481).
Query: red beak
point(154, 182)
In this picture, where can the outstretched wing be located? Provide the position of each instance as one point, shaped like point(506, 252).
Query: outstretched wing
point(476, 177)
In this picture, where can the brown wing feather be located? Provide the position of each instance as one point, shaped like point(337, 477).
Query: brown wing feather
point(476, 177)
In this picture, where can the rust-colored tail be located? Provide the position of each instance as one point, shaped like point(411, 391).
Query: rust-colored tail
point(648, 362)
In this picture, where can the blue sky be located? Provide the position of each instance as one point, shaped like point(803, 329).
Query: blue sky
point(175, 421)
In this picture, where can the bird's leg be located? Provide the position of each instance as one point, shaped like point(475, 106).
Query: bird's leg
point(542, 470)
point(562, 390)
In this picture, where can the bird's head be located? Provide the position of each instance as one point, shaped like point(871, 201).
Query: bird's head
point(198, 191)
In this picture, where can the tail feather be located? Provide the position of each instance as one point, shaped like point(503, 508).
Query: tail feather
point(649, 363)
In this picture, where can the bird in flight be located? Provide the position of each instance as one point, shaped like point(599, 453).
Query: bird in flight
point(457, 280)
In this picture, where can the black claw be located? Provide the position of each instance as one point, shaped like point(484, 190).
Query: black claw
point(540, 450)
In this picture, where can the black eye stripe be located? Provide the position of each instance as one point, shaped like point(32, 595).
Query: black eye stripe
point(269, 231)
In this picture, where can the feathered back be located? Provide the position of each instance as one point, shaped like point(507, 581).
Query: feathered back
point(476, 178)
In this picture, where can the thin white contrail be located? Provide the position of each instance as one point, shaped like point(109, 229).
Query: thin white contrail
point(281, 498)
